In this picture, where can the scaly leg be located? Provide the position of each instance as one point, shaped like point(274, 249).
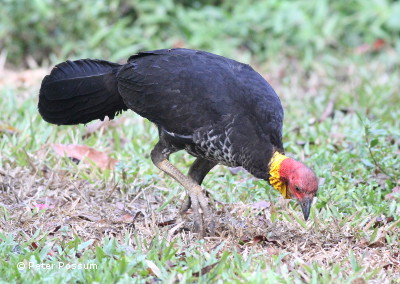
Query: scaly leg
point(159, 157)
point(199, 169)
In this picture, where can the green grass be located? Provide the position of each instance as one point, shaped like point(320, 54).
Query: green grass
point(354, 151)
point(115, 29)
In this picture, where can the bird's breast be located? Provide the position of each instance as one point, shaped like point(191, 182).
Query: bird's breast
point(215, 144)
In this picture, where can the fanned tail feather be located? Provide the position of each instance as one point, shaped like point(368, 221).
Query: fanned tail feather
point(80, 91)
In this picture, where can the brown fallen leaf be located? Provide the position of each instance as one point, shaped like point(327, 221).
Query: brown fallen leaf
point(81, 152)
point(378, 44)
point(35, 246)
point(375, 46)
point(166, 223)
point(381, 221)
point(389, 219)
point(379, 243)
point(395, 193)
point(126, 217)
point(260, 239)
point(257, 239)
point(205, 269)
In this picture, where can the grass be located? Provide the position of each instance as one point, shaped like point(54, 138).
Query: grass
point(115, 29)
point(341, 119)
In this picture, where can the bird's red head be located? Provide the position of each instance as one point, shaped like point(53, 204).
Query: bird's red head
point(294, 179)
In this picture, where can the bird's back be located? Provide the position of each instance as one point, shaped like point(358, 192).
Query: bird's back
point(183, 90)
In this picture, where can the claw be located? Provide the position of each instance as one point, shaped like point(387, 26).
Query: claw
point(200, 219)
point(199, 202)
point(212, 228)
point(187, 203)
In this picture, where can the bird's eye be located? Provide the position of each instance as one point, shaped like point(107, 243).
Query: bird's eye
point(297, 189)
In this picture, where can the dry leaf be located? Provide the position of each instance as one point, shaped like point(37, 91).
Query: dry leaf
point(259, 239)
point(389, 219)
point(166, 223)
point(35, 246)
point(205, 269)
point(376, 46)
point(126, 218)
point(395, 193)
point(379, 243)
point(79, 152)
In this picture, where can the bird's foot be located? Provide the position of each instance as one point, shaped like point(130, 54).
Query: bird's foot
point(201, 211)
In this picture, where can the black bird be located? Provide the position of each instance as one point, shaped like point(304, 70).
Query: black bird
point(217, 109)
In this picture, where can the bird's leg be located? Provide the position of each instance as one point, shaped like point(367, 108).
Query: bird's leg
point(197, 198)
point(197, 172)
point(195, 191)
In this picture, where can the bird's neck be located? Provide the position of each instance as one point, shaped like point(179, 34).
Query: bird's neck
point(278, 173)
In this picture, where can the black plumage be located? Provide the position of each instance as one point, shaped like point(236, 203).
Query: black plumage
point(215, 108)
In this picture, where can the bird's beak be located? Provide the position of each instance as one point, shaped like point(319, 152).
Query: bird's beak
point(305, 204)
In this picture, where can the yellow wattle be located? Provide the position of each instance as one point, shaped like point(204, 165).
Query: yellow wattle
point(275, 178)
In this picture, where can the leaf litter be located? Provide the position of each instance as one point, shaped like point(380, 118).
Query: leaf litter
point(82, 152)
point(90, 215)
